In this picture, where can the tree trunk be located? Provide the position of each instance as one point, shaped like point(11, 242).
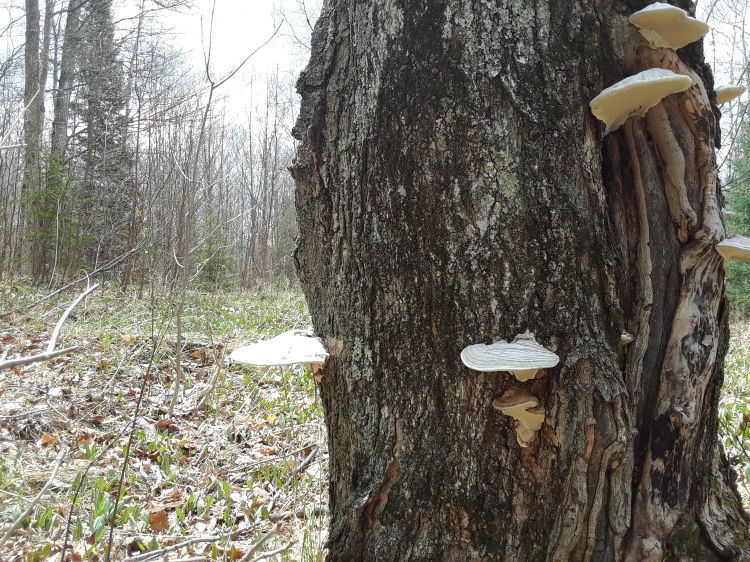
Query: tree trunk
point(33, 118)
point(64, 87)
point(454, 188)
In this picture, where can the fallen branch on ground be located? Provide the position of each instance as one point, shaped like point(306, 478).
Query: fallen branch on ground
point(56, 332)
point(161, 552)
point(28, 360)
point(50, 353)
point(263, 540)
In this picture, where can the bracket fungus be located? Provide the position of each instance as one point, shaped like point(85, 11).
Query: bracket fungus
point(635, 95)
point(735, 248)
point(523, 357)
point(728, 93)
point(667, 26)
point(627, 338)
point(523, 407)
point(289, 348)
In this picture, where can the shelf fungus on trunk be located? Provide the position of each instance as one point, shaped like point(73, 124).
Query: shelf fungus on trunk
point(289, 348)
point(524, 358)
point(728, 93)
point(627, 338)
point(667, 26)
point(522, 406)
point(635, 95)
point(735, 248)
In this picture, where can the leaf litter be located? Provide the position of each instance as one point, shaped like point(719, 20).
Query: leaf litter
point(237, 472)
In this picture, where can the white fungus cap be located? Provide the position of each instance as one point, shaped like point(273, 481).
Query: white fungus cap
point(524, 357)
point(635, 95)
point(667, 26)
point(735, 248)
point(289, 348)
point(728, 93)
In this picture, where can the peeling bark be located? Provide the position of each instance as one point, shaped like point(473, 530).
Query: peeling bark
point(452, 189)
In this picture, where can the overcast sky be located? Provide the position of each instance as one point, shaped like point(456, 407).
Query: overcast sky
point(240, 27)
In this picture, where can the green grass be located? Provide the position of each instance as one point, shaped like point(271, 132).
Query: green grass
point(738, 288)
point(734, 410)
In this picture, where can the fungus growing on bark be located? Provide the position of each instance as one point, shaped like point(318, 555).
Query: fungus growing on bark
point(290, 348)
point(635, 95)
point(627, 338)
point(667, 26)
point(524, 358)
point(735, 248)
point(728, 93)
point(523, 407)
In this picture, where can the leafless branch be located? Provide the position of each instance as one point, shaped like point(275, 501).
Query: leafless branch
point(28, 360)
point(56, 332)
point(174, 548)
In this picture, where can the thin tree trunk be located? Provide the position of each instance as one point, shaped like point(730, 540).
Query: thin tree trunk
point(453, 188)
point(134, 224)
point(32, 126)
point(61, 100)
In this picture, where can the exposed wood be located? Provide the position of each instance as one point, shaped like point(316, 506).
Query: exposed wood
point(38, 358)
point(56, 332)
point(50, 352)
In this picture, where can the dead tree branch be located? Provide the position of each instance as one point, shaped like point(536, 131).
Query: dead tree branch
point(50, 353)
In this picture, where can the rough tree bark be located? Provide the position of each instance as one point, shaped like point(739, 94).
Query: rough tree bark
point(64, 86)
point(453, 188)
point(33, 116)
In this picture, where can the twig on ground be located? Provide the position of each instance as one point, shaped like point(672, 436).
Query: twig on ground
point(50, 353)
point(161, 552)
point(300, 468)
point(263, 540)
point(19, 520)
point(270, 553)
point(21, 361)
point(300, 513)
point(56, 332)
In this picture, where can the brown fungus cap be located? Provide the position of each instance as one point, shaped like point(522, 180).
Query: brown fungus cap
point(635, 95)
point(524, 407)
point(667, 26)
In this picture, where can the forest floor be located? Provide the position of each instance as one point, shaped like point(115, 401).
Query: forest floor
point(238, 472)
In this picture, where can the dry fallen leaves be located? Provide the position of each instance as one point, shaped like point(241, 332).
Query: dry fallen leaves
point(48, 440)
point(157, 519)
point(167, 424)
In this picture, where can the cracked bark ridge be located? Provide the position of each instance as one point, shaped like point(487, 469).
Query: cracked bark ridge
point(453, 188)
